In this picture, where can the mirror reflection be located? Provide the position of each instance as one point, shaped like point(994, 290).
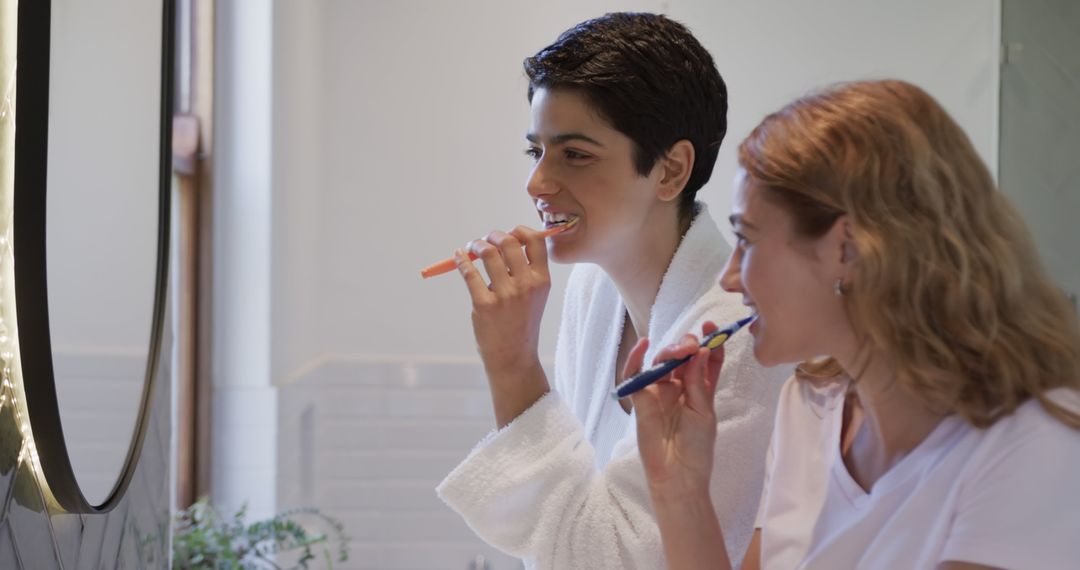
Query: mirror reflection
point(102, 224)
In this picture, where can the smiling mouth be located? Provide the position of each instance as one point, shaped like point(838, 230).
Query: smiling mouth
point(552, 220)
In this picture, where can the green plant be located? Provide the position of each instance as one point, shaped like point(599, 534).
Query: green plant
point(203, 538)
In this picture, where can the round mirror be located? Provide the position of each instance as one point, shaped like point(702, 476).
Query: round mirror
point(91, 224)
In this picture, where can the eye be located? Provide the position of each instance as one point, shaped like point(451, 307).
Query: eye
point(534, 153)
point(572, 154)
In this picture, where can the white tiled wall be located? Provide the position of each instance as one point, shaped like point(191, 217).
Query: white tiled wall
point(367, 442)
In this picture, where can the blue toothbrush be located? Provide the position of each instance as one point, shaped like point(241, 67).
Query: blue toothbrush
point(646, 377)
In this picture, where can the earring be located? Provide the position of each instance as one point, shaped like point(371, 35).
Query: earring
point(838, 287)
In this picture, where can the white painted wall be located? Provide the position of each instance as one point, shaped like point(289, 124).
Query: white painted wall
point(299, 140)
point(396, 133)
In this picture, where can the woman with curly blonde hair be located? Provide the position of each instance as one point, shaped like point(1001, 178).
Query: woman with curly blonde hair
point(934, 421)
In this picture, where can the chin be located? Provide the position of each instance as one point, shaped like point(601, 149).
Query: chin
point(765, 359)
point(769, 358)
point(563, 255)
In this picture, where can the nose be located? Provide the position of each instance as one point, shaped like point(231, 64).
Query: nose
point(731, 276)
point(541, 183)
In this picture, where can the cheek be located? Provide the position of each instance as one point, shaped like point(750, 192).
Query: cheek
point(606, 215)
point(754, 276)
point(771, 280)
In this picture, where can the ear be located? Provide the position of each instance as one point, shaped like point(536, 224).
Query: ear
point(837, 248)
point(674, 170)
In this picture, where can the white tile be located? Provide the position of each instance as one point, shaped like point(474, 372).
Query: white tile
point(351, 401)
point(377, 526)
point(416, 433)
point(383, 496)
point(431, 402)
point(393, 465)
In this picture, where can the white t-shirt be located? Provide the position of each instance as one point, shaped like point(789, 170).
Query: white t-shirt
point(1007, 496)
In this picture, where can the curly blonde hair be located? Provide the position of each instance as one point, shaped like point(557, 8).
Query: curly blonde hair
point(948, 285)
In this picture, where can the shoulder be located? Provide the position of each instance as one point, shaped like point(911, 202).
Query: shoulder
point(1033, 427)
point(1028, 455)
point(816, 399)
point(1014, 503)
point(807, 412)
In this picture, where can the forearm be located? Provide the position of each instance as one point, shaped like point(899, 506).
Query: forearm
point(515, 389)
point(690, 530)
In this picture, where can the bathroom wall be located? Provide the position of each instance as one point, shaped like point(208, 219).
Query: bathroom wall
point(377, 136)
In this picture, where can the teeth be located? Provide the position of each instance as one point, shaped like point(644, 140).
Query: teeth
point(557, 218)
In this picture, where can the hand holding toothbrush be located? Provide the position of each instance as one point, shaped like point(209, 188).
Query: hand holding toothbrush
point(676, 429)
point(676, 420)
point(506, 314)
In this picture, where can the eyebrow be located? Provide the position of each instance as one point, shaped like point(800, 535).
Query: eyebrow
point(564, 137)
point(739, 220)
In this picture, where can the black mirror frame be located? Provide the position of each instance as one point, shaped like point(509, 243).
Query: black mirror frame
point(31, 294)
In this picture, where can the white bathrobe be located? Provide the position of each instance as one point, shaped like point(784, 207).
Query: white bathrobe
point(562, 486)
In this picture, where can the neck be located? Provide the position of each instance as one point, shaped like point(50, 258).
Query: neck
point(894, 422)
point(638, 274)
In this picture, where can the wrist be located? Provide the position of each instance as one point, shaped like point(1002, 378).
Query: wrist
point(511, 366)
point(515, 390)
point(680, 492)
point(690, 531)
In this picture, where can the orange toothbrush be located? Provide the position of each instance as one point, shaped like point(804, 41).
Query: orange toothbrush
point(447, 265)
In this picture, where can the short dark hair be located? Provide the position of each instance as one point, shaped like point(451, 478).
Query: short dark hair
point(650, 78)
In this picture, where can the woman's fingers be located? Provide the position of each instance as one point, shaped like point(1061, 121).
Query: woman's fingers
point(507, 264)
point(646, 397)
point(478, 288)
point(662, 395)
point(510, 250)
point(699, 390)
point(493, 261)
point(716, 358)
point(697, 379)
point(686, 346)
point(707, 328)
point(649, 406)
point(535, 248)
point(636, 358)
